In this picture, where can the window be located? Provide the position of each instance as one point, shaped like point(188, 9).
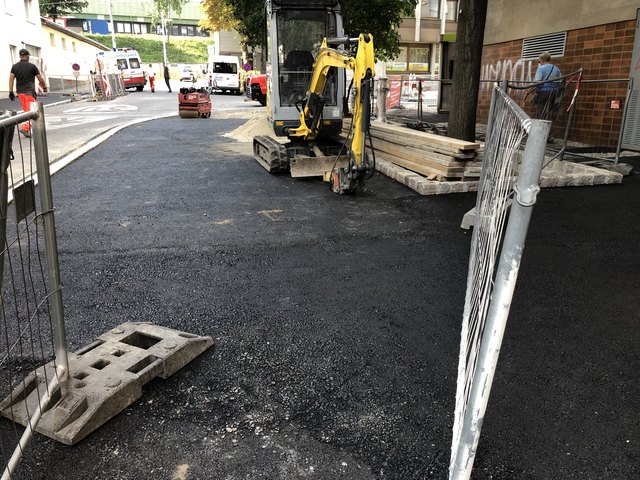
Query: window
point(64, 43)
point(399, 64)
point(119, 27)
point(224, 67)
point(52, 39)
point(134, 63)
point(297, 43)
point(122, 63)
point(419, 59)
point(127, 28)
point(73, 47)
point(452, 11)
point(136, 28)
point(27, 10)
point(412, 59)
point(429, 8)
point(183, 31)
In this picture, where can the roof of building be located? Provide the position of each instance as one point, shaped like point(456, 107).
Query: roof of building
point(128, 10)
point(71, 33)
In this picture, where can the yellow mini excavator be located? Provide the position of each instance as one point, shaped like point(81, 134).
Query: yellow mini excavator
point(314, 148)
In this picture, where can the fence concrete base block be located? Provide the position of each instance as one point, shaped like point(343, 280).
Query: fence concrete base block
point(556, 174)
point(106, 376)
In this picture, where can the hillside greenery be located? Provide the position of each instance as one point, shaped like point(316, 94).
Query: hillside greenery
point(150, 50)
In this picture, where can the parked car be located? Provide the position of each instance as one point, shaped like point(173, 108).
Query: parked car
point(256, 88)
point(187, 74)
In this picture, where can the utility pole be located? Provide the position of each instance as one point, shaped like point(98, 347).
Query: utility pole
point(163, 22)
point(113, 27)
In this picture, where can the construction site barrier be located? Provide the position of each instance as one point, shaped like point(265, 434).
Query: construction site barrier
point(106, 86)
point(31, 317)
point(513, 158)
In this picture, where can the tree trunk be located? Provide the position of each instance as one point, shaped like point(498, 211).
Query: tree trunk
point(472, 15)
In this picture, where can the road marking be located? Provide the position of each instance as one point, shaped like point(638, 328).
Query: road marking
point(181, 473)
point(55, 122)
point(271, 214)
point(102, 108)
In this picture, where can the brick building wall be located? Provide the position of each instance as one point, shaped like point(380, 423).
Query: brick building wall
point(603, 52)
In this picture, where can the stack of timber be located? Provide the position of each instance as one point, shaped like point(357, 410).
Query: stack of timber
point(427, 154)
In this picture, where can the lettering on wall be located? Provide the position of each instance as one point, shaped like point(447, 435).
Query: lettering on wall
point(520, 71)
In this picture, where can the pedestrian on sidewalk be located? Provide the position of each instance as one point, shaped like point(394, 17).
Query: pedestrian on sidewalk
point(545, 93)
point(166, 76)
point(24, 74)
point(152, 78)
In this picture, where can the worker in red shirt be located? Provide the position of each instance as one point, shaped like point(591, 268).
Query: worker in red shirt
point(25, 73)
point(152, 77)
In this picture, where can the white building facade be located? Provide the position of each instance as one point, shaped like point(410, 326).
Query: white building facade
point(19, 28)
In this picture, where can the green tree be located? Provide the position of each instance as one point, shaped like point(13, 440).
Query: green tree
point(381, 18)
point(217, 15)
point(56, 8)
point(378, 17)
point(161, 9)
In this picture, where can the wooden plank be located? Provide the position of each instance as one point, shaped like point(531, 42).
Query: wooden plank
point(445, 156)
point(430, 138)
point(426, 155)
point(398, 152)
point(457, 155)
point(425, 169)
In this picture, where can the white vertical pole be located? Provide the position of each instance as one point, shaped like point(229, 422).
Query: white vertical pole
point(50, 241)
point(113, 27)
point(163, 22)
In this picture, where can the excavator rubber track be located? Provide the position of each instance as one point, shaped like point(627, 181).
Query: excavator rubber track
point(271, 154)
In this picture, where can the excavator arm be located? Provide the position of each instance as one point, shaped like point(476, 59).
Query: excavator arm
point(363, 64)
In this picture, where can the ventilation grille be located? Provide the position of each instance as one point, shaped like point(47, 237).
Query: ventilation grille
point(554, 43)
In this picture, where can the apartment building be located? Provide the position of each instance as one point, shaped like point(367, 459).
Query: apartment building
point(19, 28)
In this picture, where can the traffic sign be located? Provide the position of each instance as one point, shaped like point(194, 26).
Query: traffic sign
point(76, 67)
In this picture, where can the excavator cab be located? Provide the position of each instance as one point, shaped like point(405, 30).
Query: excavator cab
point(295, 31)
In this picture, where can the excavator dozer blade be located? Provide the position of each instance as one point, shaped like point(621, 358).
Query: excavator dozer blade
point(270, 153)
point(305, 166)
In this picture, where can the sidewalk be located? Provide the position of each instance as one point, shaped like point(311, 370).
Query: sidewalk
point(48, 100)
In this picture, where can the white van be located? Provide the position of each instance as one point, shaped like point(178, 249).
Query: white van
point(224, 73)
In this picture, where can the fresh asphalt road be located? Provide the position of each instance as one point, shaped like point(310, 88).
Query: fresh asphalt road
point(337, 321)
point(72, 125)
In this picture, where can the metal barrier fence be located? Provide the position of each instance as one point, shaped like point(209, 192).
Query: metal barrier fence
point(70, 85)
point(31, 315)
point(584, 107)
point(490, 284)
point(100, 86)
point(106, 86)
